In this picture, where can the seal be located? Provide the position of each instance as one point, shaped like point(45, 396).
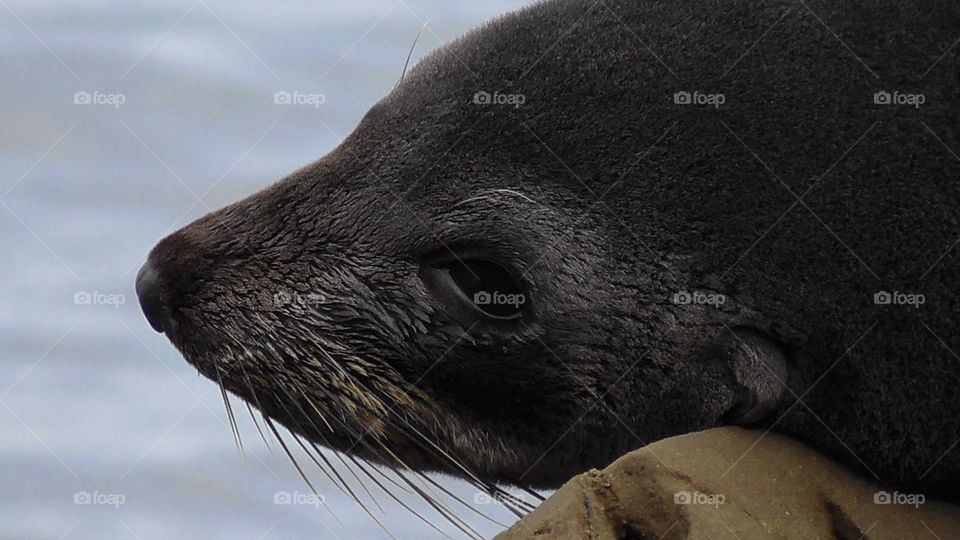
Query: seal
point(589, 225)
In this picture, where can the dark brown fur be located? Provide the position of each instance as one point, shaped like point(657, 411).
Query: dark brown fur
point(617, 198)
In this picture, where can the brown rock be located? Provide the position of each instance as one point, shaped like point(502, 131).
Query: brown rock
point(731, 483)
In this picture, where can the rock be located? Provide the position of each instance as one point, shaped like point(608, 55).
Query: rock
point(731, 483)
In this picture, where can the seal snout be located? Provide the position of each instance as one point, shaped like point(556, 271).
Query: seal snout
point(150, 294)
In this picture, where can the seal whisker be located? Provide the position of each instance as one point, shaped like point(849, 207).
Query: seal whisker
point(403, 426)
point(338, 482)
point(345, 488)
point(333, 468)
point(455, 497)
point(382, 474)
point(355, 476)
point(378, 469)
point(443, 453)
point(426, 497)
point(234, 429)
point(434, 501)
point(438, 506)
point(323, 417)
point(257, 424)
point(477, 482)
point(393, 496)
point(533, 494)
point(437, 451)
point(442, 509)
point(303, 475)
point(511, 501)
point(256, 400)
point(343, 485)
point(426, 478)
point(507, 501)
point(410, 53)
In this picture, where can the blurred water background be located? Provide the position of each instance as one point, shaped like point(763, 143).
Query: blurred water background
point(122, 121)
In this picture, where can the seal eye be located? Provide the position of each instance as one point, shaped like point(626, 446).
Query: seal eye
point(477, 286)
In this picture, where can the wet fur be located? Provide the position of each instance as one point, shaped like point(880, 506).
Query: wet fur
point(683, 202)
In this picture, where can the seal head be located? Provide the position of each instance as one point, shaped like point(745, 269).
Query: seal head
point(536, 254)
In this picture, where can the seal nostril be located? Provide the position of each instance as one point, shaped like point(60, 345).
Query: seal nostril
point(151, 298)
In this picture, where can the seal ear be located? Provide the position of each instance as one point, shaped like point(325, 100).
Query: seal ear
point(760, 369)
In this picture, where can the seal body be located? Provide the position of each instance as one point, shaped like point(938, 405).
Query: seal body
point(651, 182)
